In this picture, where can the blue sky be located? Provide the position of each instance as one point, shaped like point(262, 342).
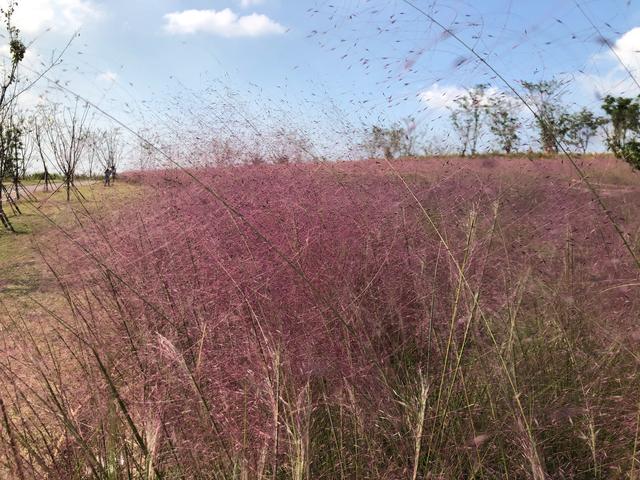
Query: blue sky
point(327, 62)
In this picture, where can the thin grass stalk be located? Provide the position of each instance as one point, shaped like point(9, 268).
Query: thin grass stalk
point(123, 407)
point(179, 359)
point(17, 461)
point(276, 412)
point(337, 439)
point(634, 459)
point(460, 351)
point(463, 279)
point(449, 345)
point(424, 395)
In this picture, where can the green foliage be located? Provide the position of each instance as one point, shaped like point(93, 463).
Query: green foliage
point(622, 136)
point(504, 122)
point(630, 152)
point(10, 133)
point(10, 150)
point(577, 129)
point(467, 116)
point(8, 145)
point(390, 142)
point(545, 97)
point(17, 49)
point(39, 176)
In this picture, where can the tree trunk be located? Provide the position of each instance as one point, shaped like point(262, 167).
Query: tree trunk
point(4, 220)
point(16, 184)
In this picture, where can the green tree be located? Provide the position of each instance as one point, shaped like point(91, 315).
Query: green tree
point(545, 97)
point(17, 51)
point(389, 142)
point(467, 115)
point(577, 129)
point(624, 125)
point(12, 152)
point(504, 122)
point(10, 146)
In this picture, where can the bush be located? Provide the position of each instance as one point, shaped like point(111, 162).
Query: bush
point(631, 153)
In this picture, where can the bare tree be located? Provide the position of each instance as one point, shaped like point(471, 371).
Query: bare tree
point(27, 145)
point(38, 140)
point(108, 148)
point(64, 136)
point(91, 154)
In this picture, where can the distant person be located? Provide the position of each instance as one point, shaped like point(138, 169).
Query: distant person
point(107, 177)
point(113, 173)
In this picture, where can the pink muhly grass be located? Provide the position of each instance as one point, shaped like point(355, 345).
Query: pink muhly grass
point(220, 350)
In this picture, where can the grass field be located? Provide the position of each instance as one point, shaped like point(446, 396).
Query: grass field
point(20, 259)
point(426, 318)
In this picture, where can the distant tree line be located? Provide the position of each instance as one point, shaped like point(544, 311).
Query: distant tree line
point(482, 110)
point(58, 137)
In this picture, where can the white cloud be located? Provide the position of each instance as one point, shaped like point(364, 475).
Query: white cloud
point(441, 97)
point(614, 82)
point(627, 48)
point(34, 16)
point(611, 76)
point(438, 97)
point(250, 3)
point(30, 99)
point(225, 23)
point(108, 77)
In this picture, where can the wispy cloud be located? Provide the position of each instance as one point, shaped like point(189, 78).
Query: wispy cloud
point(618, 71)
point(437, 96)
point(34, 16)
point(444, 96)
point(108, 77)
point(627, 47)
point(224, 23)
point(251, 3)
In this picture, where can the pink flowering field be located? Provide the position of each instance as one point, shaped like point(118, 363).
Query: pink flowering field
point(419, 319)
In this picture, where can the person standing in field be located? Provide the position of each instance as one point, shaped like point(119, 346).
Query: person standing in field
point(113, 173)
point(107, 177)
